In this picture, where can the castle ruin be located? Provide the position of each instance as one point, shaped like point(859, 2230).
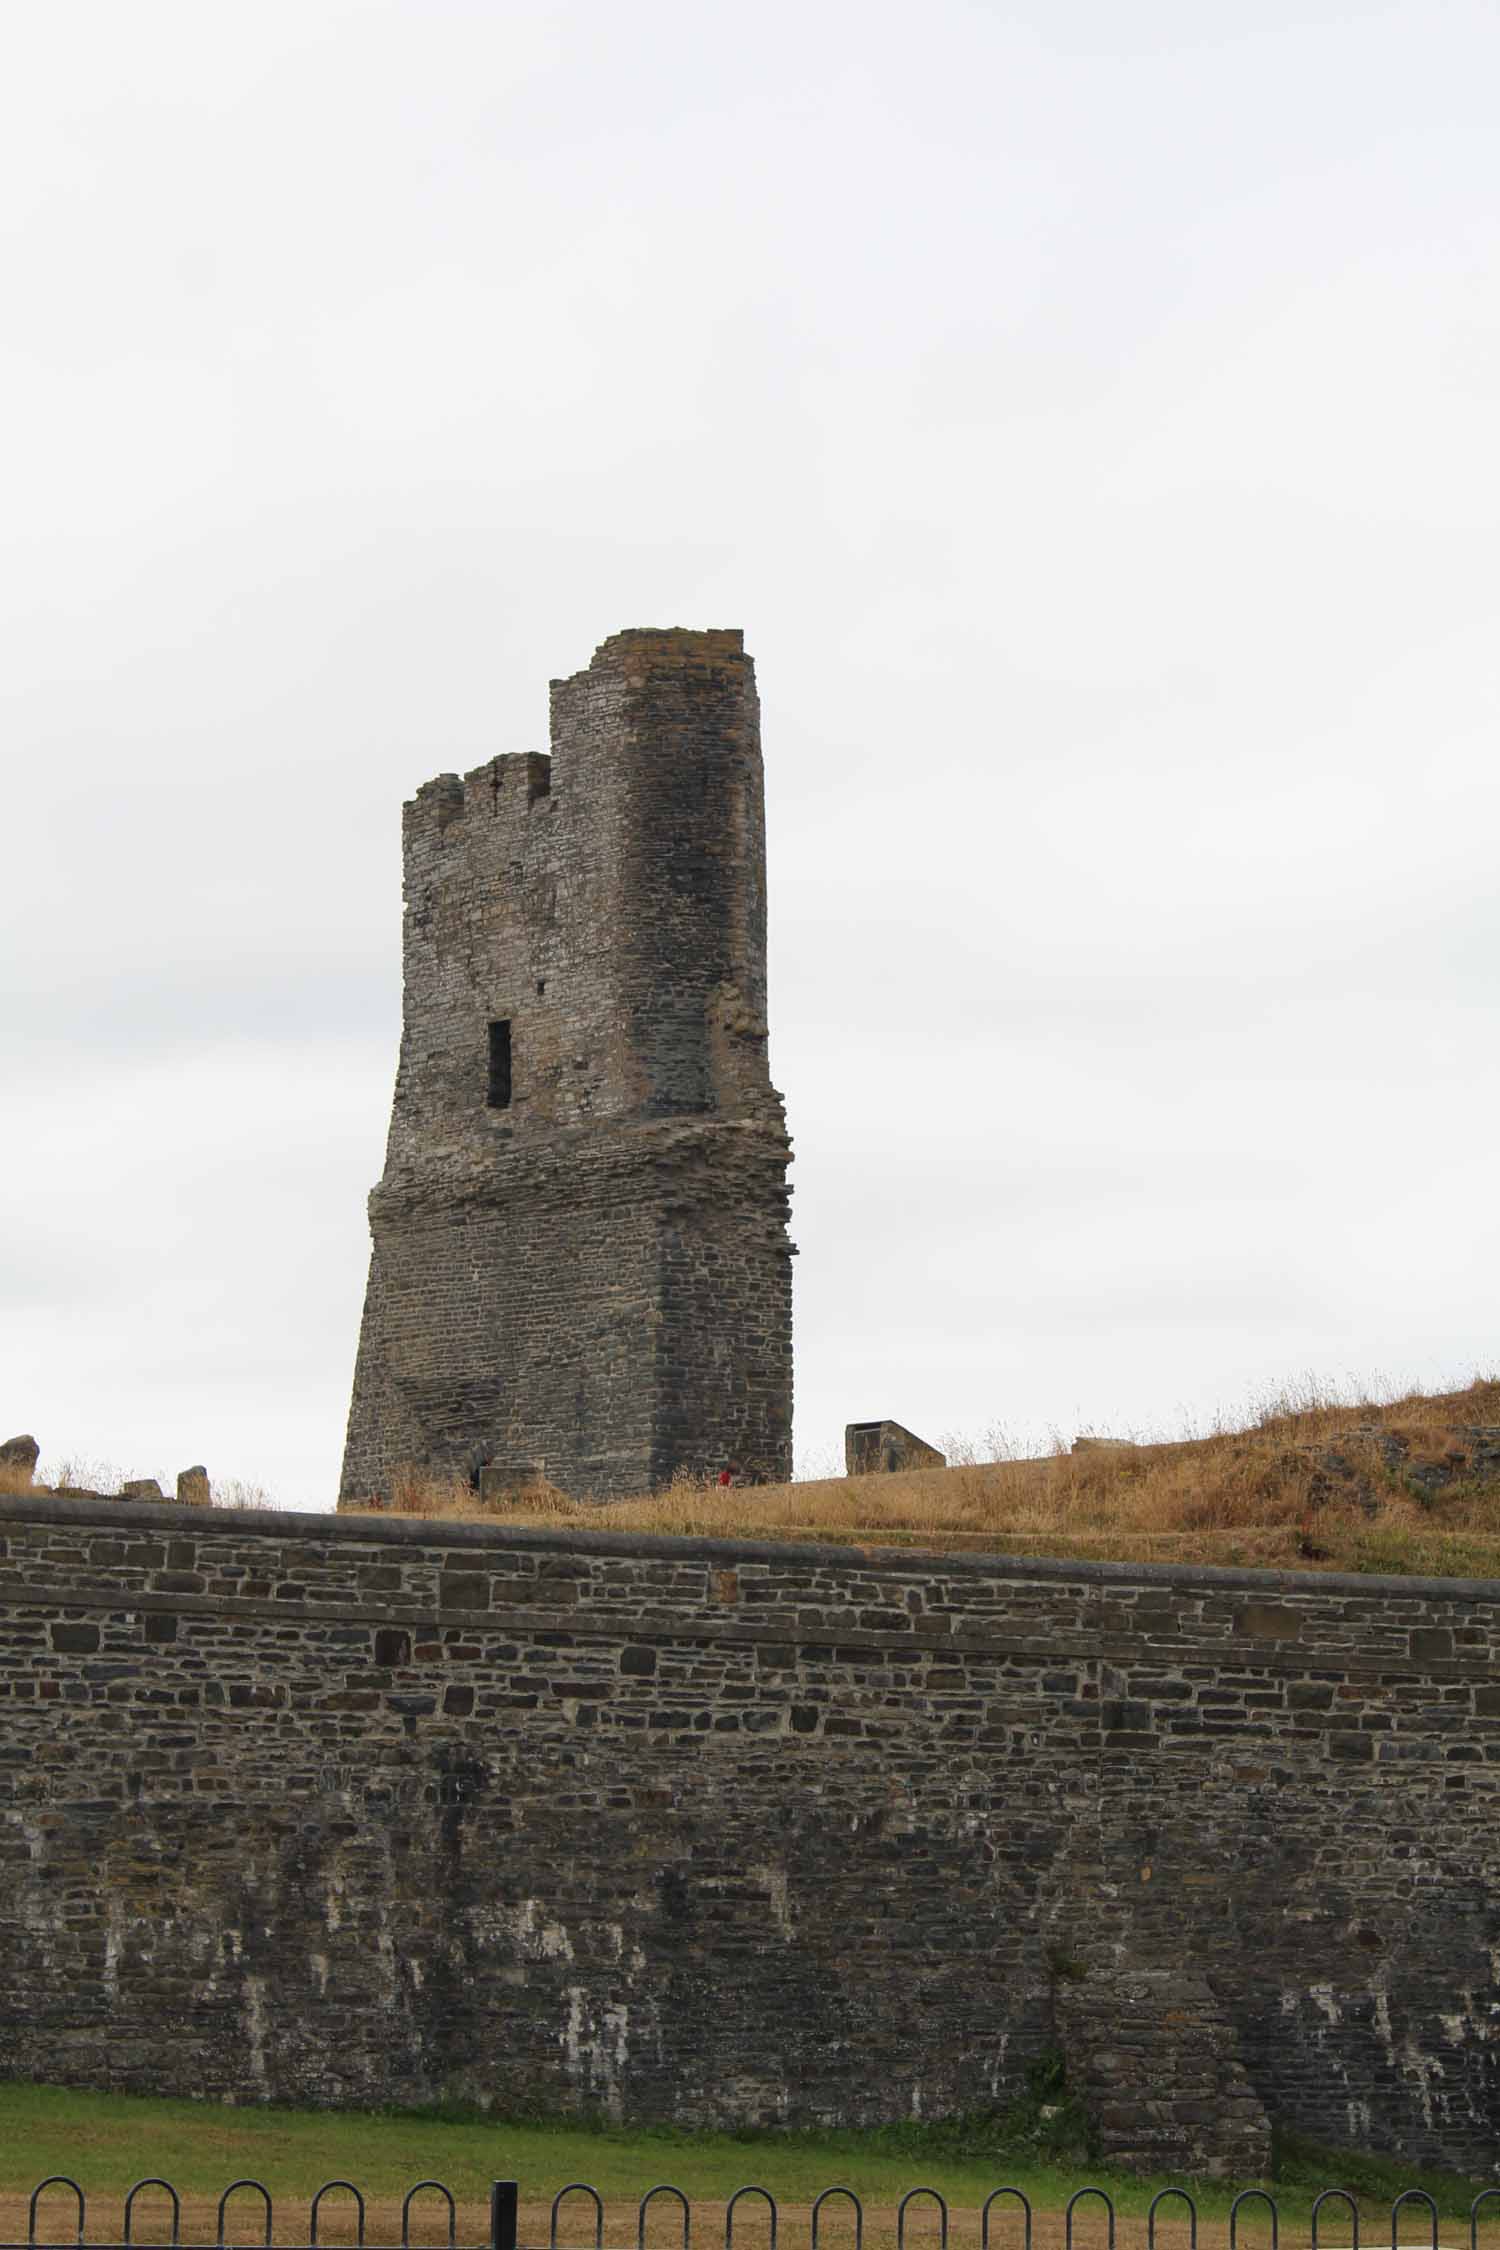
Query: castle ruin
point(580, 1265)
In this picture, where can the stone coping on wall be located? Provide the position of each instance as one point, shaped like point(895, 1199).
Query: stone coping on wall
point(458, 1534)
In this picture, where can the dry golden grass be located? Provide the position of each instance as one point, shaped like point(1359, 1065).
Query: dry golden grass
point(416, 1493)
point(1313, 1483)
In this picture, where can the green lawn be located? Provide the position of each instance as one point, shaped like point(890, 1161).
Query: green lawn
point(107, 2141)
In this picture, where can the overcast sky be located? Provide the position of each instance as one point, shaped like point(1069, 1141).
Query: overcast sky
point(1088, 411)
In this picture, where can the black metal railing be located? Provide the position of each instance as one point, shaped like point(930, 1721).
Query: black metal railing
point(1006, 2218)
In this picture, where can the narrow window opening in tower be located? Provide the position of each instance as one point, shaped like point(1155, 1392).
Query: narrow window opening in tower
point(498, 1096)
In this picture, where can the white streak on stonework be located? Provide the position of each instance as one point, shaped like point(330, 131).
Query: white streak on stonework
point(112, 1942)
point(255, 2031)
point(1424, 2069)
point(1475, 2020)
point(533, 1934)
point(390, 1971)
point(597, 2054)
point(772, 1881)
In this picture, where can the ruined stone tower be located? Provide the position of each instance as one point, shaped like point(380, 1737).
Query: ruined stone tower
point(580, 1260)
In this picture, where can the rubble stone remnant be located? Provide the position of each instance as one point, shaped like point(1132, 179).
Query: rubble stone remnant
point(192, 1487)
point(885, 1446)
point(141, 1488)
point(580, 1264)
point(20, 1453)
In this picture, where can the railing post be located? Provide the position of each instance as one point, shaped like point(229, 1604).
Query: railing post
point(504, 2197)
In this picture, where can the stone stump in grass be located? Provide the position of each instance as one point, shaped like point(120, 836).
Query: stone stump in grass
point(18, 1459)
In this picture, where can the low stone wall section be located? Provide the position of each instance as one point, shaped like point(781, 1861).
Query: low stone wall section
point(364, 1811)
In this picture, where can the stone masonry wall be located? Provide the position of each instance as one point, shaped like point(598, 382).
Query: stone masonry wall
point(590, 1278)
point(360, 1810)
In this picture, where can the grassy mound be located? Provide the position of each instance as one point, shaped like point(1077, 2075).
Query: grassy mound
point(1408, 1485)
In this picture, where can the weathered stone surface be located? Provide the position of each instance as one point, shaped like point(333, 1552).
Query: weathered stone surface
point(876, 1446)
point(580, 1261)
point(141, 1488)
point(193, 1487)
point(20, 1453)
point(383, 1810)
point(1157, 2062)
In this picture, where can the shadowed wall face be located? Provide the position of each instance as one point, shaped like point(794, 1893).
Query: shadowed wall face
point(580, 1262)
point(369, 1811)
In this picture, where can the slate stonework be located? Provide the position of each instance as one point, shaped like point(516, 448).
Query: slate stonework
point(580, 1264)
point(368, 1810)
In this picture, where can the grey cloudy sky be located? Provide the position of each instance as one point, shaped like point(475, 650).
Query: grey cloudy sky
point(1089, 413)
